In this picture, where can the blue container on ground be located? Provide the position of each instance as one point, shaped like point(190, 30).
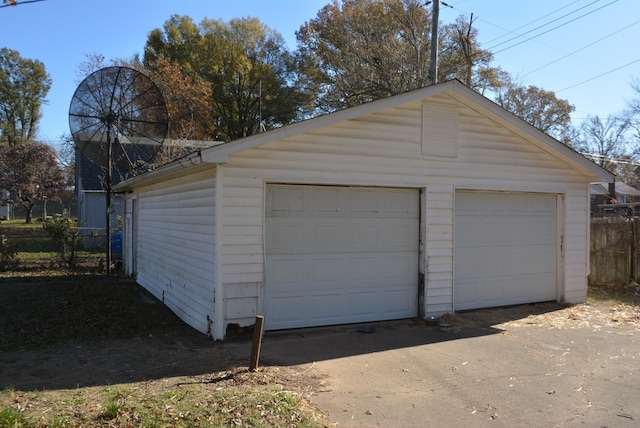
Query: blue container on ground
point(116, 245)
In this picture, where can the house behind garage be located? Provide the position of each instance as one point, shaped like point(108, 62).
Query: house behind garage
point(427, 202)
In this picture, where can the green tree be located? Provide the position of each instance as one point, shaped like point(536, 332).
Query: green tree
point(24, 84)
point(29, 173)
point(188, 98)
point(251, 74)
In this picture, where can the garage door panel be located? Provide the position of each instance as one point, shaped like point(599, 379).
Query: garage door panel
point(287, 237)
point(466, 294)
point(361, 305)
point(326, 307)
point(326, 237)
point(400, 202)
point(286, 271)
point(364, 201)
point(363, 236)
point(357, 259)
point(399, 235)
point(399, 268)
point(286, 200)
point(364, 268)
point(287, 309)
point(326, 200)
point(529, 260)
point(326, 270)
point(309, 272)
point(505, 249)
point(397, 302)
point(490, 261)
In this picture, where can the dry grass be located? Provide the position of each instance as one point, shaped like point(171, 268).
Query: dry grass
point(607, 306)
point(58, 332)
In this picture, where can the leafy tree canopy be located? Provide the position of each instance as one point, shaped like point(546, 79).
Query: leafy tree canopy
point(28, 173)
point(252, 77)
point(540, 108)
point(357, 51)
point(24, 84)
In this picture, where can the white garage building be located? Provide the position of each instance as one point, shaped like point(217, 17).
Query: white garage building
point(428, 202)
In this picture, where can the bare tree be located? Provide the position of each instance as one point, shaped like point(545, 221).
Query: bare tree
point(606, 142)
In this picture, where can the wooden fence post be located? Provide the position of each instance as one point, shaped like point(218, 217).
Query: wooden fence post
point(258, 331)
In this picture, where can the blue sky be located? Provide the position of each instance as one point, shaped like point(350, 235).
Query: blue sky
point(584, 50)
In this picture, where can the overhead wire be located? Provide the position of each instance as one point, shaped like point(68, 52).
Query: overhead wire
point(599, 75)
point(583, 48)
point(14, 3)
point(547, 23)
point(554, 28)
point(514, 31)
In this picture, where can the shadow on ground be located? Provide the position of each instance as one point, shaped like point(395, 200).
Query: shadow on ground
point(301, 346)
point(77, 332)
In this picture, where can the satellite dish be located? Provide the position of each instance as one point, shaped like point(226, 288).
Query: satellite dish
point(118, 119)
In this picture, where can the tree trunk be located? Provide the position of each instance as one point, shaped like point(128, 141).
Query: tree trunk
point(29, 218)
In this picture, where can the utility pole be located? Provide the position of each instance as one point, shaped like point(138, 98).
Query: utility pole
point(433, 67)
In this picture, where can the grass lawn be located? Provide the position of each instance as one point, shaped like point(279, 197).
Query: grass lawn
point(20, 223)
point(92, 352)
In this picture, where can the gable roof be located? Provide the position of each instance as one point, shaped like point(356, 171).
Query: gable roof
point(454, 89)
point(602, 188)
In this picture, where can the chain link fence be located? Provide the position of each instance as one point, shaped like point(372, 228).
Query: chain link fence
point(29, 248)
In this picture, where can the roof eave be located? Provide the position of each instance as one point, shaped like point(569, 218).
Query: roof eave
point(179, 166)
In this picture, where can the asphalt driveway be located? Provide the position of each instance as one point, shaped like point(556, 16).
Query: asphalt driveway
point(544, 370)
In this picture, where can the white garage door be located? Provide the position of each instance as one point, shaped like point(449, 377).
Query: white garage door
point(505, 249)
point(339, 255)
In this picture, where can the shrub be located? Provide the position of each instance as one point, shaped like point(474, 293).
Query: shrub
point(8, 253)
point(65, 237)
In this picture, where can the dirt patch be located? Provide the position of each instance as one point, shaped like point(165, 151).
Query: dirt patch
point(78, 332)
point(73, 347)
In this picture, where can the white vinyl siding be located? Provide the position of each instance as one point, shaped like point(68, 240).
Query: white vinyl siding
point(176, 249)
point(385, 149)
point(487, 150)
point(439, 249)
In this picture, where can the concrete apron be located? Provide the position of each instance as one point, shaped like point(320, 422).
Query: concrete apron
point(410, 375)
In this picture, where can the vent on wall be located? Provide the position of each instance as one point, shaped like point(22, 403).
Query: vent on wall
point(440, 129)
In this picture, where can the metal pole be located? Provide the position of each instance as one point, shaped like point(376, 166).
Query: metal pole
point(108, 179)
point(258, 331)
point(433, 67)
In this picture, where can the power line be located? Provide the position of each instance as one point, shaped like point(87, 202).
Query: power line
point(582, 48)
point(599, 75)
point(529, 23)
point(16, 3)
point(554, 28)
point(551, 22)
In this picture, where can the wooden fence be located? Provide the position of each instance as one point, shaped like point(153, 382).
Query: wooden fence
point(614, 250)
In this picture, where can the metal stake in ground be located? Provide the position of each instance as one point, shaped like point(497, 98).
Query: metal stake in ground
point(258, 331)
